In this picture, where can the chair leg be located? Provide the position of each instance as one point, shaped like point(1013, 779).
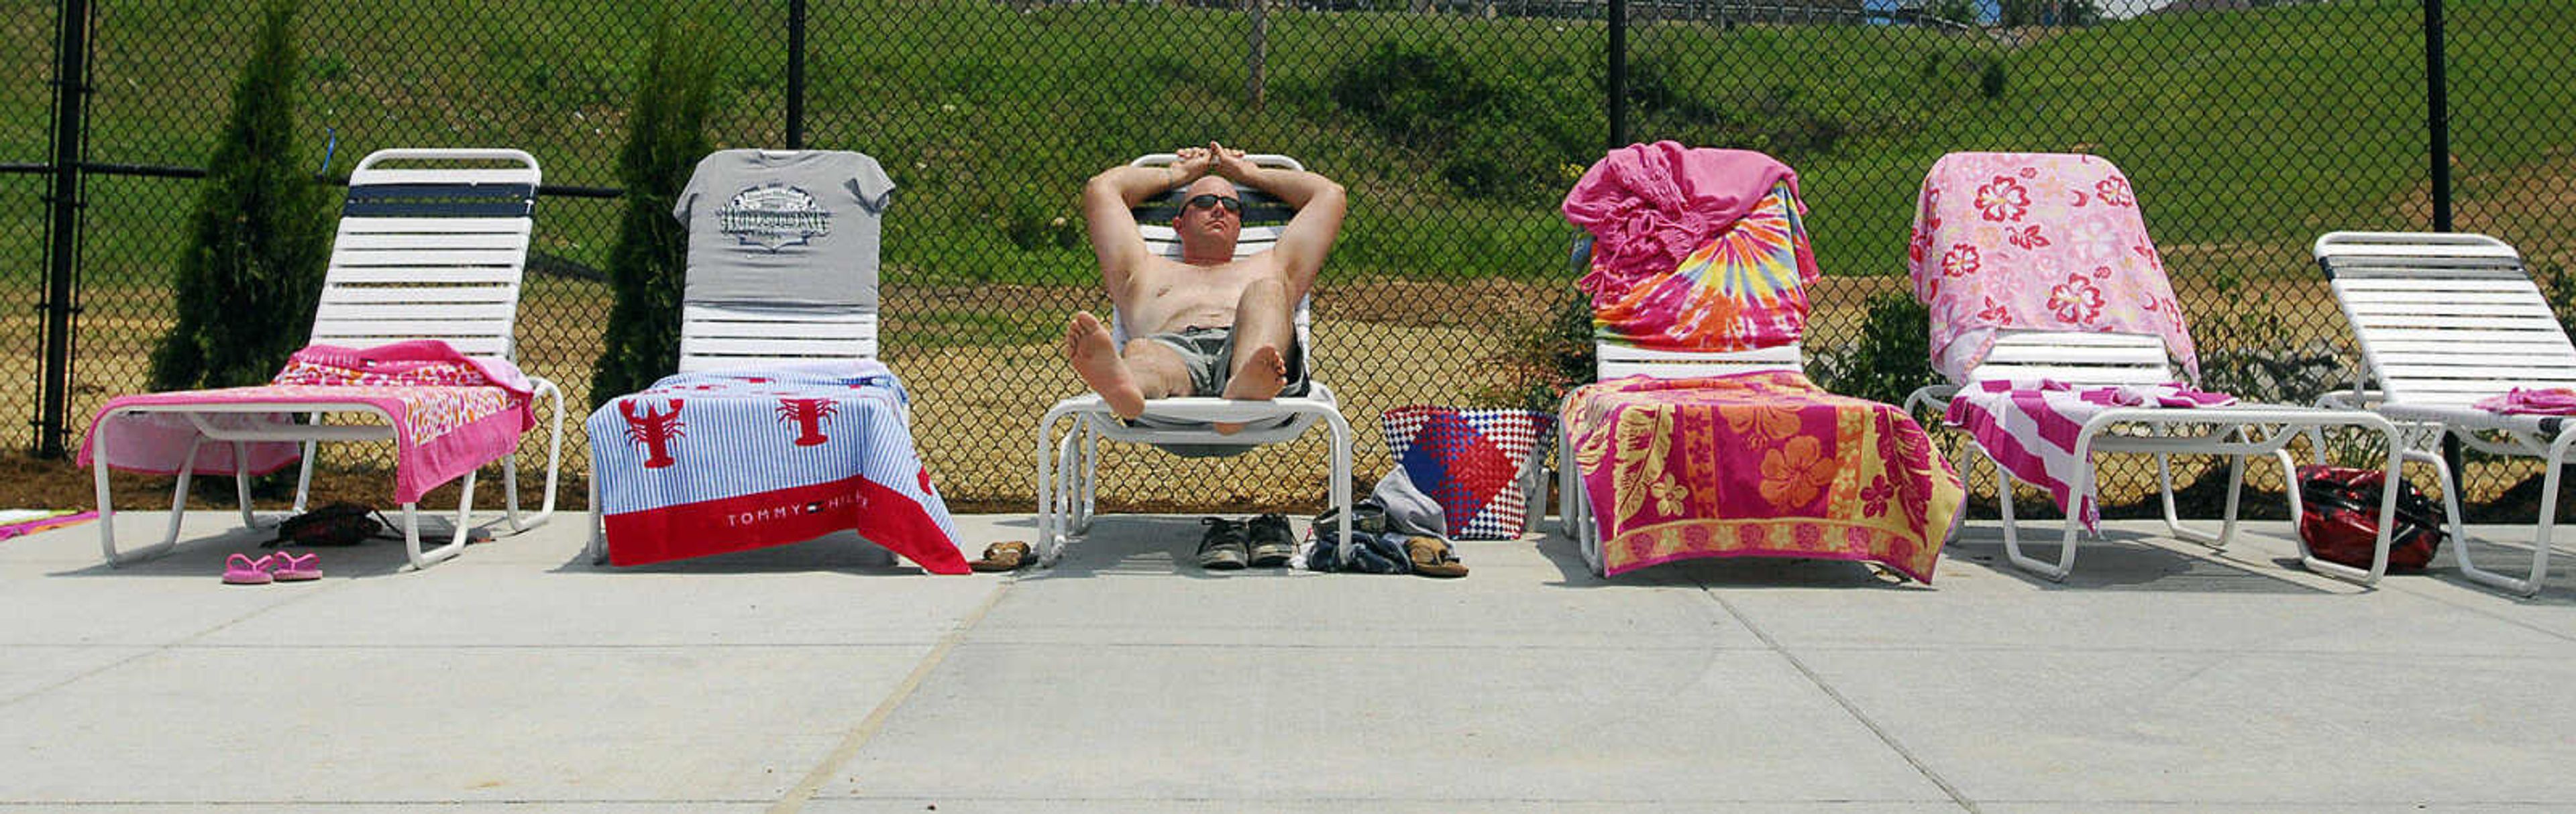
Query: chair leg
point(1069, 519)
point(554, 469)
point(2387, 518)
point(107, 507)
point(2531, 583)
point(304, 469)
point(1090, 474)
point(597, 548)
point(2227, 525)
point(1341, 471)
point(2012, 536)
point(455, 545)
point(1048, 542)
point(241, 483)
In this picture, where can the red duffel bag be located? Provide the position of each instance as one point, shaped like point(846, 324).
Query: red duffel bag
point(2339, 518)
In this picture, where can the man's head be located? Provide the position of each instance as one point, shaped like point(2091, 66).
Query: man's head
point(1210, 221)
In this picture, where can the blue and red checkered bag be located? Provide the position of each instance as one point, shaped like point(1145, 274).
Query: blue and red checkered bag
point(1481, 465)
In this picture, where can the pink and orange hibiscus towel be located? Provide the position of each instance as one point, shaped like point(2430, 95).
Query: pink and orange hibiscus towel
point(1758, 464)
point(451, 414)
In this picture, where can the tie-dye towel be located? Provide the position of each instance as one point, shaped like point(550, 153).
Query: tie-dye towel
point(1694, 249)
point(451, 414)
point(1744, 289)
point(2030, 428)
point(706, 463)
point(2035, 241)
point(1758, 464)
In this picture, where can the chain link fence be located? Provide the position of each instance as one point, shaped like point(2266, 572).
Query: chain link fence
point(2248, 128)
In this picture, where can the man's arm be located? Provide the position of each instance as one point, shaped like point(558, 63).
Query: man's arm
point(1320, 204)
point(1106, 201)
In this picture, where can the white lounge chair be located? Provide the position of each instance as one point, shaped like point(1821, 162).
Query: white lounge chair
point(1068, 465)
point(749, 335)
point(2445, 320)
point(718, 337)
point(1989, 227)
point(421, 253)
point(2110, 359)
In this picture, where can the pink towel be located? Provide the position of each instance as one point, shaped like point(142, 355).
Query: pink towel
point(2030, 428)
point(451, 414)
point(2552, 401)
point(1648, 206)
point(2035, 241)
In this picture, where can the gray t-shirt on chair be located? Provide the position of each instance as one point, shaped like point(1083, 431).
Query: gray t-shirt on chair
point(784, 228)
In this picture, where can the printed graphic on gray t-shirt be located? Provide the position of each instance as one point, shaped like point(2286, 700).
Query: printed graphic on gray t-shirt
point(797, 229)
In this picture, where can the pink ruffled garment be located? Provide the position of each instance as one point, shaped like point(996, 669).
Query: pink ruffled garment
point(452, 413)
point(2522, 401)
point(2036, 241)
point(1650, 206)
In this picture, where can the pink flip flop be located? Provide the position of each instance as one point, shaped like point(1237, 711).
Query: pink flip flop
point(242, 570)
point(291, 568)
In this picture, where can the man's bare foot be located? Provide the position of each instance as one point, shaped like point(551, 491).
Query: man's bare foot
point(1261, 377)
point(1094, 355)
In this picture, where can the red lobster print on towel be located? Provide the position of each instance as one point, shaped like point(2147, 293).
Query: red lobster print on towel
point(779, 456)
point(808, 415)
point(654, 430)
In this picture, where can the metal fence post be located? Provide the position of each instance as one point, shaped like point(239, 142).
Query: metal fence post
point(1618, 74)
point(795, 74)
point(62, 244)
point(2437, 121)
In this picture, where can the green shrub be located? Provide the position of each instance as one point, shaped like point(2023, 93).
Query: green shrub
point(1894, 356)
point(2560, 286)
point(649, 264)
point(259, 237)
point(1538, 371)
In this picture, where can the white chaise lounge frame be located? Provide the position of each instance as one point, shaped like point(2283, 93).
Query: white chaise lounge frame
point(2102, 359)
point(2445, 320)
point(392, 278)
point(1067, 476)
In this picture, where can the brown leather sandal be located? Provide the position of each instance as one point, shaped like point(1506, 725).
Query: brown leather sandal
point(1008, 555)
point(1432, 557)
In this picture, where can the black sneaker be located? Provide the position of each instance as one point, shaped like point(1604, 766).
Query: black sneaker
point(1272, 544)
point(1221, 548)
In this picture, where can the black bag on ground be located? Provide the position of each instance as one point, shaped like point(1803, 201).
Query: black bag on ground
point(2339, 518)
point(338, 524)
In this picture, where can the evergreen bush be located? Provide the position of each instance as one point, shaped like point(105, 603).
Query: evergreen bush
point(259, 237)
point(647, 267)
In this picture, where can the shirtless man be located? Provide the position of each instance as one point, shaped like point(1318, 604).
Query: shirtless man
point(1210, 324)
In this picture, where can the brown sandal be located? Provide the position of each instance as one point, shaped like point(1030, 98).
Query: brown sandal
point(1432, 557)
point(1002, 556)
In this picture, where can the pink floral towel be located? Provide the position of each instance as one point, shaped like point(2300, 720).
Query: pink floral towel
point(2035, 241)
point(451, 414)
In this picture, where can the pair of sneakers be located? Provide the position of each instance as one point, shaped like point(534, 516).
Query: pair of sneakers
point(1262, 542)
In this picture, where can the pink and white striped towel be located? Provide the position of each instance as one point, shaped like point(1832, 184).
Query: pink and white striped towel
point(2030, 427)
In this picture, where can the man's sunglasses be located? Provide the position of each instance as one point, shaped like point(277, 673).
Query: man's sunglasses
point(1213, 199)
